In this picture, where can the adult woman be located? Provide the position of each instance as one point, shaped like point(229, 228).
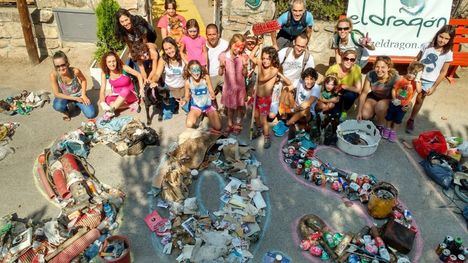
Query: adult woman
point(349, 78)
point(146, 56)
point(123, 92)
point(132, 29)
point(69, 86)
point(377, 91)
point(347, 39)
point(172, 65)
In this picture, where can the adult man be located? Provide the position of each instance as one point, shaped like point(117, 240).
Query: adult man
point(293, 22)
point(296, 58)
point(215, 46)
point(293, 60)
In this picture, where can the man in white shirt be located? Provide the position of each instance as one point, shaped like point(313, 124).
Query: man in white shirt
point(215, 46)
point(296, 58)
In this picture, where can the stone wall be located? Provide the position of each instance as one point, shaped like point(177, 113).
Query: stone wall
point(12, 44)
point(238, 18)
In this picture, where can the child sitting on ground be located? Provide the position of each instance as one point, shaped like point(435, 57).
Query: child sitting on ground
point(307, 95)
point(402, 93)
point(268, 67)
point(329, 96)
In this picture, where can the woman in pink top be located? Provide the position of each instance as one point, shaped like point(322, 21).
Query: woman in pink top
point(193, 46)
point(171, 23)
point(233, 65)
point(123, 92)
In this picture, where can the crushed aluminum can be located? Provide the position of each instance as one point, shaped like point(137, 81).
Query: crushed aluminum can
point(354, 186)
point(316, 251)
point(305, 244)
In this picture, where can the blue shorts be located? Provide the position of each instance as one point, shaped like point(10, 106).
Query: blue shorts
point(395, 113)
point(426, 84)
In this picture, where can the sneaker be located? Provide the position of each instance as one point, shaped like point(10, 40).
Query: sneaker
point(256, 133)
point(410, 126)
point(392, 137)
point(267, 142)
point(281, 130)
point(386, 133)
point(277, 125)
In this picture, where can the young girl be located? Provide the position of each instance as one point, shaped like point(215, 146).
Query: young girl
point(193, 46)
point(402, 94)
point(69, 85)
point(146, 57)
point(199, 92)
point(123, 92)
point(172, 65)
point(171, 23)
point(233, 65)
point(436, 57)
point(329, 96)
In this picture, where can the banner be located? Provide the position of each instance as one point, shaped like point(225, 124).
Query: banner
point(399, 27)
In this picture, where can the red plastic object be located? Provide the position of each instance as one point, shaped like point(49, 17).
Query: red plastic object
point(45, 183)
point(69, 164)
point(60, 182)
point(430, 141)
point(76, 247)
point(265, 27)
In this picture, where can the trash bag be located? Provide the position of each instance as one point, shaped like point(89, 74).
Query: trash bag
point(441, 174)
point(430, 141)
point(443, 159)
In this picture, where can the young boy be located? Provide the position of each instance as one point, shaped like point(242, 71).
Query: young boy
point(307, 95)
point(268, 67)
point(402, 93)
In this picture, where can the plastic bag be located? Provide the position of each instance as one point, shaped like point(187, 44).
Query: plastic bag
point(441, 174)
point(430, 141)
point(463, 148)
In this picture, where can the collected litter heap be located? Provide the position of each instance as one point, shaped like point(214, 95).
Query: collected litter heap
point(7, 130)
point(192, 232)
point(89, 208)
point(24, 102)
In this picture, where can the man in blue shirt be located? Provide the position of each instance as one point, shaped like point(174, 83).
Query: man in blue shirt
point(293, 22)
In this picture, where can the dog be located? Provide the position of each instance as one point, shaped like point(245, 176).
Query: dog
point(155, 97)
point(176, 30)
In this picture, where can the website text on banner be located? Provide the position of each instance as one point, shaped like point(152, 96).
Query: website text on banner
point(399, 27)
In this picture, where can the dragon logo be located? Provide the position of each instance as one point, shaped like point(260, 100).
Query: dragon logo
point(412, 7)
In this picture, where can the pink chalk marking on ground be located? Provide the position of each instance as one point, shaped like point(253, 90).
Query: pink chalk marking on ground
point(359, 209)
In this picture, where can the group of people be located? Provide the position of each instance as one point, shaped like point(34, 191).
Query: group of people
point(278, 81)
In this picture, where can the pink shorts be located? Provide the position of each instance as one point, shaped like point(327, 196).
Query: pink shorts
point(205, 110)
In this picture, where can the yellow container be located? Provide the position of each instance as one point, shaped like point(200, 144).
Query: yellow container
point(379, 207)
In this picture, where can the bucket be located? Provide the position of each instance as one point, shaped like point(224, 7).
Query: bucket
point(124, 258)
point(382, 206)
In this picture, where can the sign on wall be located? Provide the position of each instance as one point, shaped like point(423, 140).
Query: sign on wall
point(399, 27)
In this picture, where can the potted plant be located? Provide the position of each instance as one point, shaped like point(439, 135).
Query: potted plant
point(106, 39)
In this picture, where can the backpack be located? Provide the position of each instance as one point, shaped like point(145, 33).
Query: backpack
point(287, 27)
point(304, 60)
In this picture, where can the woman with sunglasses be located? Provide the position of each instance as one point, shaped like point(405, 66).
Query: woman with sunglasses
point(346, 38)
point(69, 87)
point(377, 91)
point(349, 81)
point(133, 28)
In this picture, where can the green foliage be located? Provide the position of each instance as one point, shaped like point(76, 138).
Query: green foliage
point(106, 39)
point(328, 10)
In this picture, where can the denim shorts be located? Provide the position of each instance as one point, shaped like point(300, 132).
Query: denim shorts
point(426, 84)
point(395, 113)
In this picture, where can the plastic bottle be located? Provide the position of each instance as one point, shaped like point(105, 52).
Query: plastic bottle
point(109, 212)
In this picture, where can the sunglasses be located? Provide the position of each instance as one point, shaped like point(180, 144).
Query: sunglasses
point(349, 59)
point(342, 28)
point(60, 66)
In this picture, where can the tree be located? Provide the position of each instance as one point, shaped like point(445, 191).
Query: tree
point(107, 41)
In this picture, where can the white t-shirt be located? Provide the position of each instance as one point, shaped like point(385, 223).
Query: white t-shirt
point(302, 94)
point(213, 54)
point(433, 62)
point(292, 67)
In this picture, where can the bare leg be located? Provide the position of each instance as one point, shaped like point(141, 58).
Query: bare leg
point(368, 109)
point(118, 102)
point(381, 110)
point(215, 121)
point(265, 126)
point(417, 106)
point(192, 118)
